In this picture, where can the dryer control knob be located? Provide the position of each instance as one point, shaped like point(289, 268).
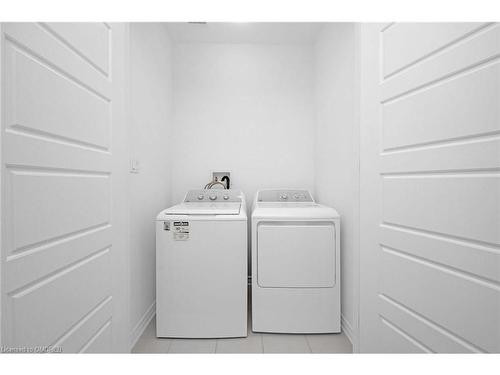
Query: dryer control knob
point(296, 196)
point(213, 197)
point(284, 196)
point(200, 197)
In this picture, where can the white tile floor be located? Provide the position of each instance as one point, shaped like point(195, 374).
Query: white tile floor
point(254, 343)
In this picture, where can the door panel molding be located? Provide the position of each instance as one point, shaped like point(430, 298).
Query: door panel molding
point(64, 157)
point(430, 188)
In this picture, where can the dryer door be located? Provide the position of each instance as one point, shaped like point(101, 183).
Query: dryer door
point(296, 255)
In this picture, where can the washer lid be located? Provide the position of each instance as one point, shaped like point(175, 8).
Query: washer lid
point(196, 208)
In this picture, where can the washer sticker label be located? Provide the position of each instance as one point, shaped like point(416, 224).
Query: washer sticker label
point(181, 230)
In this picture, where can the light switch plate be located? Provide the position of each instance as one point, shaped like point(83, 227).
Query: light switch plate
point(134, 166)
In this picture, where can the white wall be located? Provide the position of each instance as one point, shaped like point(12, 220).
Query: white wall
point(150, 109)
point(246, 108)
point(337, 151)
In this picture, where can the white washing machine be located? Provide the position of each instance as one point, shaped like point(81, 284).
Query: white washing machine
point(295, 264)
point(201, 266)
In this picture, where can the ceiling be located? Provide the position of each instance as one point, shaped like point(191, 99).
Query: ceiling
point(244, 32)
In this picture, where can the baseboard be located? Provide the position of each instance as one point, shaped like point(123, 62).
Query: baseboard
point(348, 330)
point(141, 325)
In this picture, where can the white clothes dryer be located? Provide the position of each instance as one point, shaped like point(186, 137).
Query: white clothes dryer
point(295, 263)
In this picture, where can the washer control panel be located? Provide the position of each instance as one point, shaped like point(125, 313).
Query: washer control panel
point(291, 196)
point(213, 195)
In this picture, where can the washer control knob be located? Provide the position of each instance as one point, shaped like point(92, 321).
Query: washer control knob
point(283, 196)
point(296, 196)
point(200, 197)
point(226, 197)
point(213, 197)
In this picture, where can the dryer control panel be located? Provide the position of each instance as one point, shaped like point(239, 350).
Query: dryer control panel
point(213, 195)
point(284, 195)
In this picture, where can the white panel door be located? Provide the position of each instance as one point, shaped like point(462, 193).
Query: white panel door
point(430, 188)
point(63, 187)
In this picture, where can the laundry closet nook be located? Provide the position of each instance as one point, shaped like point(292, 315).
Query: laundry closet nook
point(250, 187)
